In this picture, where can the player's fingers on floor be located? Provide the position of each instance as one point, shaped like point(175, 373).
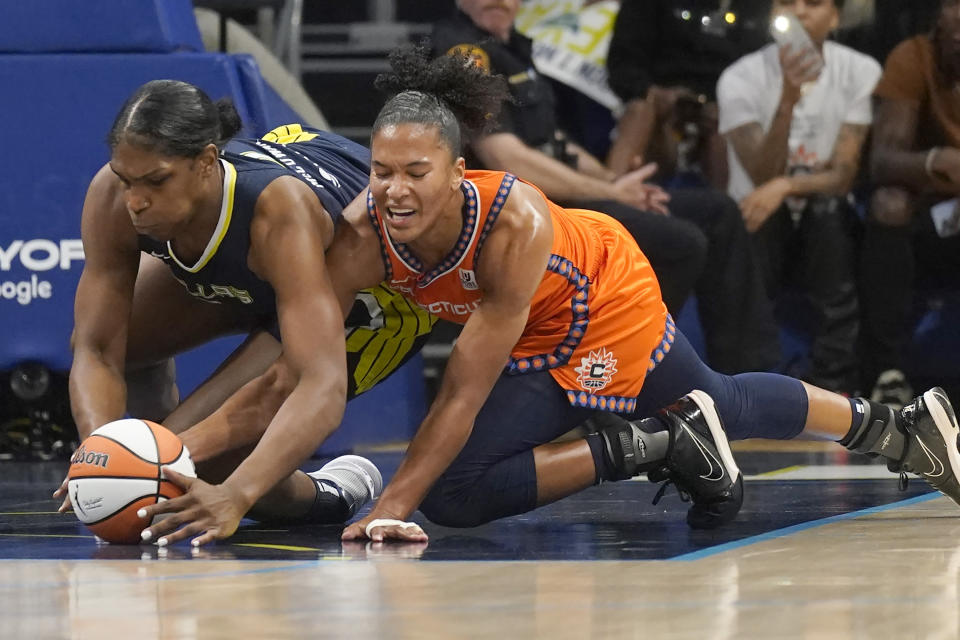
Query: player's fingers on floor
point(191, 529)
point(353, 532)
point(412, 534)
point(404, 532)
point(62, 489)
point(164, 526)
point(207, 537)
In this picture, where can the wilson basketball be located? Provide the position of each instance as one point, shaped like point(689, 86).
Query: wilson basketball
point(116, 471)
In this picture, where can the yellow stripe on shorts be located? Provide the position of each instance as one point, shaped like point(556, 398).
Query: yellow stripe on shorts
point(288, 133)
point(387, 341)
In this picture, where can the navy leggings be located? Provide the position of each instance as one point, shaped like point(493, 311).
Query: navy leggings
point(494, 475)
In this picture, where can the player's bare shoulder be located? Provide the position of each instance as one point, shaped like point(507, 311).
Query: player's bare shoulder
point(104, 194)
point(521, 239)
point(355, 254)
point(355, 230)
point(287, 200)
point(105, 223)
point(525, 215)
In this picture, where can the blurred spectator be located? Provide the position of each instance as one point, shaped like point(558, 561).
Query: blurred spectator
point(570, 43)
point(735, 313)
point(896, 20)
point(664, 60)
point(915, 163)
point(875, 27)
point(795, 121)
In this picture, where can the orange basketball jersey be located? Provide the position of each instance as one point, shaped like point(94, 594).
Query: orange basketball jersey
point(597, 321)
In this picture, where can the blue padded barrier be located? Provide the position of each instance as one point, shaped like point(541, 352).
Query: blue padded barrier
point(58, 112)
point(101, 26)
point(268, 110)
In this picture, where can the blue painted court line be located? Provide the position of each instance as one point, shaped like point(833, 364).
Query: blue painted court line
point(803, 526)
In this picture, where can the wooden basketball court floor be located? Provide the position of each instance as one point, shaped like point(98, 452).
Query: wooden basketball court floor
point(825, 547)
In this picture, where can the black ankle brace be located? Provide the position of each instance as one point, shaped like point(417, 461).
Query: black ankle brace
point(878, 432)
point(633, 448)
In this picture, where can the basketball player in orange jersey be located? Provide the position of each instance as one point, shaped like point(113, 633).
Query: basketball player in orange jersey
point(563, 322)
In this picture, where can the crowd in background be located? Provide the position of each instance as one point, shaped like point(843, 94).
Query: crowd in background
point(812, 188)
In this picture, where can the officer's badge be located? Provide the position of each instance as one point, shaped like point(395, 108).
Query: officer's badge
point(477, 55)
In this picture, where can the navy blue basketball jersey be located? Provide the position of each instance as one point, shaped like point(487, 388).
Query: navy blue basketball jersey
point(335, 168)
point(383, 330)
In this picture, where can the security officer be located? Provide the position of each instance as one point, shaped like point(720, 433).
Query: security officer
point(532, 116)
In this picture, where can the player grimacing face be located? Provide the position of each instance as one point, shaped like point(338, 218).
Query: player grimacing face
point(161, 193)
point(413, 178)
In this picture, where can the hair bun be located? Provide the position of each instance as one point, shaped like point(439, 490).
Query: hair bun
point(230, 123)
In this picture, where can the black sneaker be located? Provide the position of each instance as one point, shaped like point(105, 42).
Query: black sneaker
point(699, 462)
point(932, 446)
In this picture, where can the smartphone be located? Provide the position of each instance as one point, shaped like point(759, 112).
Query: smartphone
point(787, 30)
point(946, 217)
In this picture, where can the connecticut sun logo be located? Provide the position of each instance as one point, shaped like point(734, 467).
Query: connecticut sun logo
point(596, 370)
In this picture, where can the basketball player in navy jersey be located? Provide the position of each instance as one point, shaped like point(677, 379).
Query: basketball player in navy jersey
point(237, 234)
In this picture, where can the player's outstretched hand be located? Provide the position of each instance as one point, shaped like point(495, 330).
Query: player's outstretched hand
point(63, 493)
point(380, 527)
point(208, 511)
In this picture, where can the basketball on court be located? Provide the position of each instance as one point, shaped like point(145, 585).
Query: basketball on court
point(116, 471)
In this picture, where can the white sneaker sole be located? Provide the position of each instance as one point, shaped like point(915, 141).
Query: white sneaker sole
point(941, 411)
point(709, 410)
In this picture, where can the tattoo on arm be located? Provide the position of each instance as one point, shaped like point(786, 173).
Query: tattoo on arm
point(746, 141)
point(762, 158)
point(846, 152)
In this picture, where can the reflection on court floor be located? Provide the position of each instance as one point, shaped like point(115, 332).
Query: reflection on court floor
point(825, 546)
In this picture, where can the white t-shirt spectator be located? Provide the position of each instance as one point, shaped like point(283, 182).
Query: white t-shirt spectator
point(749, 91)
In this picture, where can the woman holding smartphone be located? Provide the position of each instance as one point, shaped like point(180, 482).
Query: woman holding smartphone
point(795, 116)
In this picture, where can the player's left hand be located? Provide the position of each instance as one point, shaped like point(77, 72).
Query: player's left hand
point(208, 511)
point(765, 199)
point(383, 526)
point(62, 492)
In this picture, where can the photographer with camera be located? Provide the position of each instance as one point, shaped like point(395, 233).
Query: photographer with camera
point(795, 115)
